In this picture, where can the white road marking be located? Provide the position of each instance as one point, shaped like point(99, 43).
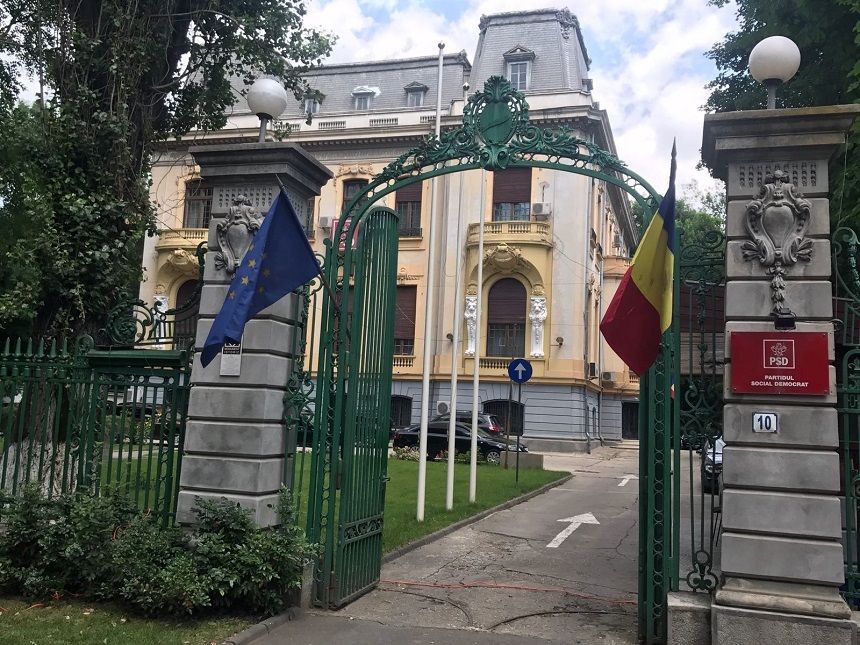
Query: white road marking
point(625, 479)
point(575, 522)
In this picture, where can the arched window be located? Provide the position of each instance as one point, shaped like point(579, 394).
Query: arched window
point(185, 322)
point(507, 304)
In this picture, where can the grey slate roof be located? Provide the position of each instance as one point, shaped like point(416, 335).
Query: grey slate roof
point(388, 79)
point(560, 58)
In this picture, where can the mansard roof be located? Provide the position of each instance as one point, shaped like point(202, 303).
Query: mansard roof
point(551, 36)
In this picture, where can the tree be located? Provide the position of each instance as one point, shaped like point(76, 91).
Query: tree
point(698, 213)
point(828, 38)
point(119, 76)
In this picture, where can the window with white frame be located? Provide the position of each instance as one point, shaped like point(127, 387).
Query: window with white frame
point(362, 102)
point(415, 99)
point(518, 75)
point(519, 62)
point(312, 106)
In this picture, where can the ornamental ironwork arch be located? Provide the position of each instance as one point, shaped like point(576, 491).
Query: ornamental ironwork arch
point(496, 134)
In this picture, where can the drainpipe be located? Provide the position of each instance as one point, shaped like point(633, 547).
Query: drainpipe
point(585, 274)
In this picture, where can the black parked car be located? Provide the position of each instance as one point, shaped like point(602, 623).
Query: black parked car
point(489, 423)
point(437, 441)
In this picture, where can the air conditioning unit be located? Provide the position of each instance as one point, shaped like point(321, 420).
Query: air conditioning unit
point(592, 370)
point(443, 407)
point(541, 210)
point(325, 221)
point(607, 376)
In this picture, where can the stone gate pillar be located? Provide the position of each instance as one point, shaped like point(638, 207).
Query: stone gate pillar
point(234, 439)
point(780, 549)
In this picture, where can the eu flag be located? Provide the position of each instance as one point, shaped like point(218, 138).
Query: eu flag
point(279, 260)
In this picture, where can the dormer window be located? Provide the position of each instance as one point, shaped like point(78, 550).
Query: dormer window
point(519, 63)
point(363, 97)
point(312, 106)
point(415, 92)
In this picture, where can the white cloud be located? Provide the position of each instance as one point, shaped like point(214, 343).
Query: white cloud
point(648, 60)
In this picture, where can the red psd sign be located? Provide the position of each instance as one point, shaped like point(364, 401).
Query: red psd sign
point(780, 362)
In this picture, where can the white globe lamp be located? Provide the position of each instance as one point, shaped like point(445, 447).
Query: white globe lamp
point(772, 62)
point(267, 99)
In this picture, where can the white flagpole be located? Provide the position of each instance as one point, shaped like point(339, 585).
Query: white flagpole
point(429, 317)
point(476, 382)
point(455, 355)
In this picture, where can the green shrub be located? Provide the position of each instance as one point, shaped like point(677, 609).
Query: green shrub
point(101, 547)
point(59, 544)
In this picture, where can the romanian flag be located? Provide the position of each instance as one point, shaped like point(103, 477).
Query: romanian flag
point(641, 309)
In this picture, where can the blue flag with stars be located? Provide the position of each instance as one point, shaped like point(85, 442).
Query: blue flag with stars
point(279, 260)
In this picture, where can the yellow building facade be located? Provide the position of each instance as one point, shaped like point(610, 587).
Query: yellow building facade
point(556, 244)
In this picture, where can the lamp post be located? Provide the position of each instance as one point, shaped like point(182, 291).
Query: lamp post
point(267, 99)
point(773, 62)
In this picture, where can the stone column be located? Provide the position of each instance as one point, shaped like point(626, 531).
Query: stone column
point(780, 549)
point(235, 438)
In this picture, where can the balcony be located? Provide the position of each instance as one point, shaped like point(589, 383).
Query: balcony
point(181, 238)
point(521, 232)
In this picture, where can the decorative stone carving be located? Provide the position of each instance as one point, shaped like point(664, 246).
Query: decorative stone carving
point(160, 304)
point(404, 276)
point(538, 290)
point(471, 316)
point(184, 262)
point(504, 258)
point(235, 233)
point(472, 289)
point(566, 20)
point(483, 23)
point(355, 169)
point(777, 223)
point(160, 289)
point(537, 315)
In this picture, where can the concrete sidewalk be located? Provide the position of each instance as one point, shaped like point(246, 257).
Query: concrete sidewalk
point(334, 629)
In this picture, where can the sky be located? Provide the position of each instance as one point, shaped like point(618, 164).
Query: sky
point(648, 62)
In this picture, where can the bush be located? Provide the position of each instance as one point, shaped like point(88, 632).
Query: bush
point(406, 454)
point(101, 547)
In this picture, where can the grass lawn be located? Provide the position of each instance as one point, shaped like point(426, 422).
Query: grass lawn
point(495, 485)
point(67, 623)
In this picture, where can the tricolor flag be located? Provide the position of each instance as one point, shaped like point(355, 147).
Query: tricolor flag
point(641, 309)
point(279, 260)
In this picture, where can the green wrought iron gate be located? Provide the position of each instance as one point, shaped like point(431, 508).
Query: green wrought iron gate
point(355, 446)
point(681, 409)
point(353, 386)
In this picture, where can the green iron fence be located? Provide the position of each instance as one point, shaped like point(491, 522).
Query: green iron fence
point(846, 307)
point(82, 417)
point(77, 418)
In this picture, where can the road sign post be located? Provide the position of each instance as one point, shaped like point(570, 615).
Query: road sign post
point(519, 371)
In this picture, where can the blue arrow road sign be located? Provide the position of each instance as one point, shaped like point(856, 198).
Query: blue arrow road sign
point(520, 370)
